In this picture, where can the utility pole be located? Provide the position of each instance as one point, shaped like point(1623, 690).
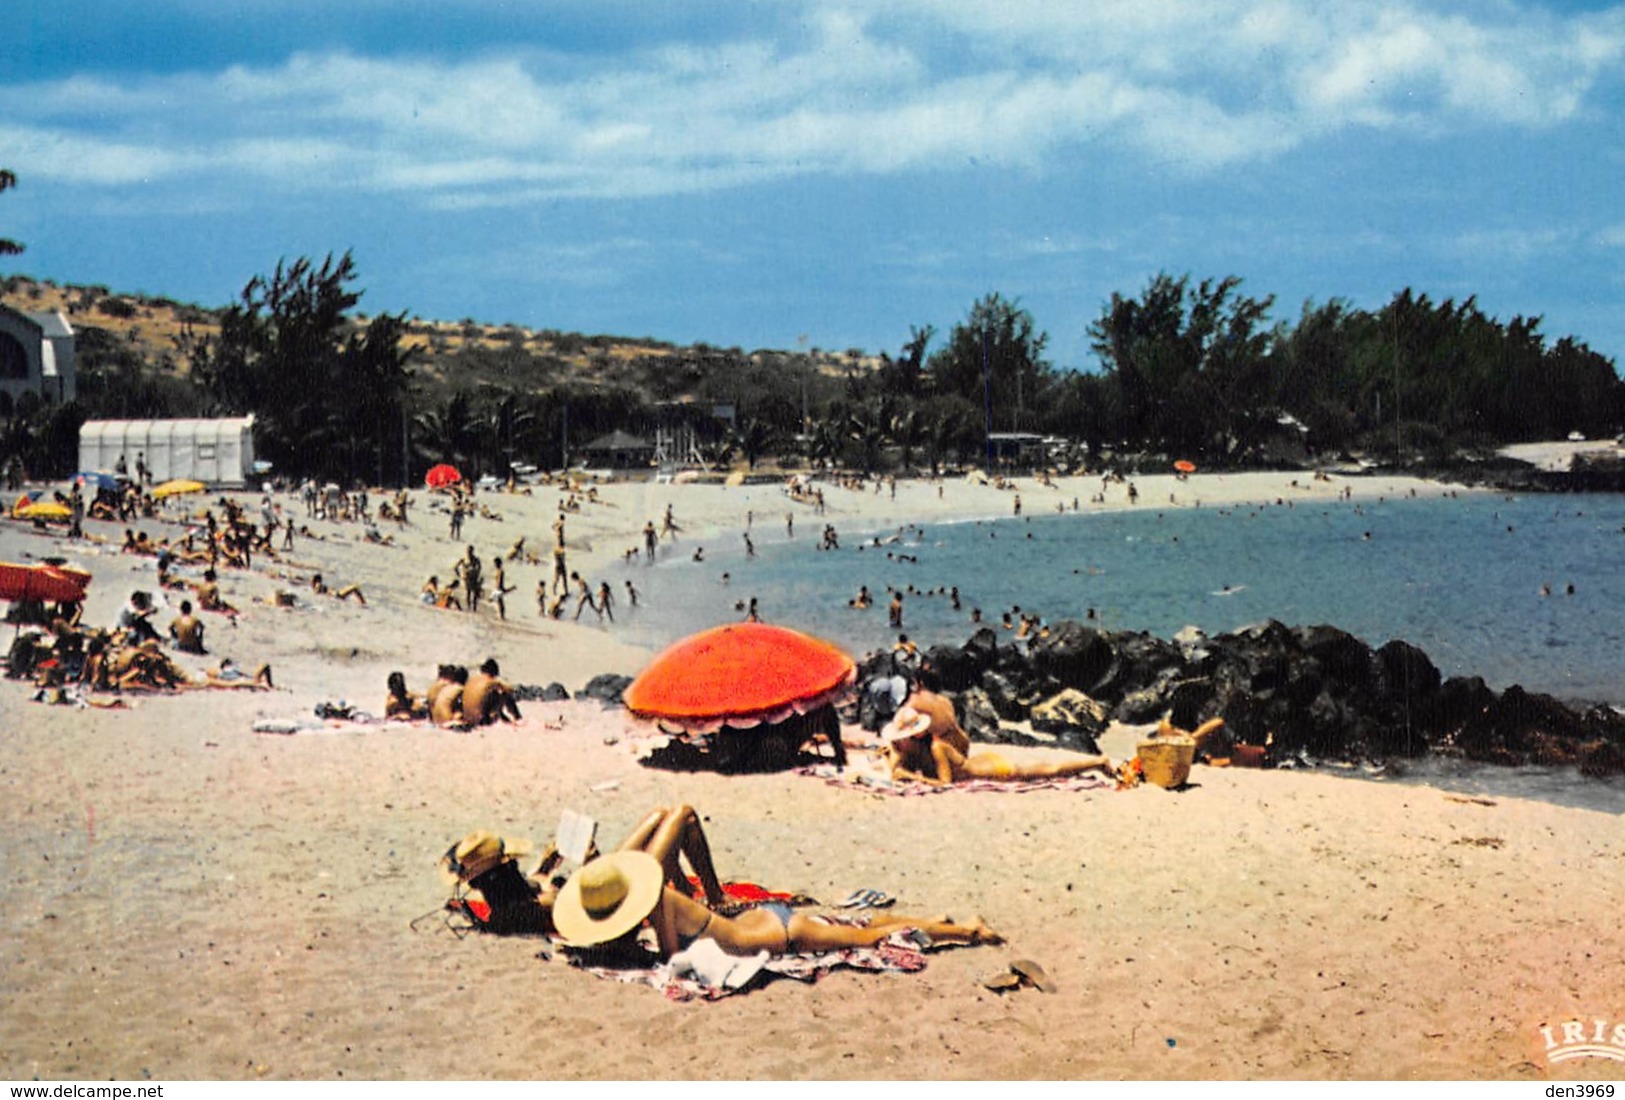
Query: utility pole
point(987, 399)
point(1399, 431)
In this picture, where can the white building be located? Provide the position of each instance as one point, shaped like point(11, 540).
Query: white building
point(219, 453)
point(36, 355)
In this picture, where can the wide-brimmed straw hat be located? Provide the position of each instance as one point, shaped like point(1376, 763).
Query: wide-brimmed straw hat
point(607, 898)
point(907, 722)
point(478, 852)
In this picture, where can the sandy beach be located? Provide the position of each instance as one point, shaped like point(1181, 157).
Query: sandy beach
point(186, 898)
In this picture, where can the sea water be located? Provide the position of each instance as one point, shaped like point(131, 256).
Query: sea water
point(1519, 590)
point(1480, 582)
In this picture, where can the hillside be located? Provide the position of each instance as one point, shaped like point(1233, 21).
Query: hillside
point(451, 354)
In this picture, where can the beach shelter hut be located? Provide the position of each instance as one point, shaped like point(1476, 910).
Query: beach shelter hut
point(216, 452)
point(754, 691)
point(619, 450)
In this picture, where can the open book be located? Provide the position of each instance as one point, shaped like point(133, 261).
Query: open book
point(575, 836)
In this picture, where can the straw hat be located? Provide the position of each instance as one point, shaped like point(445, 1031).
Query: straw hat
point(907, 722)
point(607, 898)
point(478, 852)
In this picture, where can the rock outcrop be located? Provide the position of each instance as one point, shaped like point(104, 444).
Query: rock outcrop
point(1314, 690)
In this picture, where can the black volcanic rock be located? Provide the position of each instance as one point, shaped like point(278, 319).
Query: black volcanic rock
point(1314, 689)
point(606, 687)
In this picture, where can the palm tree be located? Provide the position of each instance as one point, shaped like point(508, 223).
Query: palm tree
point(8, 180)
point(866, 428)
point(753, 437)
point(906, 429)
point(449, 433)
point(510, 429)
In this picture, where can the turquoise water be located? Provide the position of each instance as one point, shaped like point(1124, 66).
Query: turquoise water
point(1460, 577)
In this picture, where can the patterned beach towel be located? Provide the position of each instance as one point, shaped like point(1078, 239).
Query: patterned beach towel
point(901, 951)
point(864, 775)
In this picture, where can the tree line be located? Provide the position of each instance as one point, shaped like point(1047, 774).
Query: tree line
point(1196, 370)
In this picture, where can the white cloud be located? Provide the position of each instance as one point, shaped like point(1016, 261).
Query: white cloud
point(906, 85)
point(1512, 245)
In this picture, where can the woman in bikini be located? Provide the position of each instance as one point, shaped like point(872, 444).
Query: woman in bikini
point(917, 752)
point(400, 703)
point(610, 897)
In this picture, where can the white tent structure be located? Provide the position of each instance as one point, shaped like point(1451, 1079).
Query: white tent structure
point(215, 452)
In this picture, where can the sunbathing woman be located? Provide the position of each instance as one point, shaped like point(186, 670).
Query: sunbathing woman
point(318, 586)
point(145, 668)
point(608, 900)
point(401, 703)
point(915, 754)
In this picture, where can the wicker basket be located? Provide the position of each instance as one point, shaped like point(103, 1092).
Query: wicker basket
point(1166, 761)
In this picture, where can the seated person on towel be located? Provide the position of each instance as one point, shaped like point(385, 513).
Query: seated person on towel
point(916, 753)
point(445, 697)
point(400, 703)
point(486, 698)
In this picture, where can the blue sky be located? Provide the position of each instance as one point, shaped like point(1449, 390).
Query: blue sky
point(783, 174)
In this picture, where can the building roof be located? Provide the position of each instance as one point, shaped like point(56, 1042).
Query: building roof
point(52, 324)
point(619, 441)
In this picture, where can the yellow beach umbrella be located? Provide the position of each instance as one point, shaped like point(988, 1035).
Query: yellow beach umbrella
point(176, 488)
point(44, 509)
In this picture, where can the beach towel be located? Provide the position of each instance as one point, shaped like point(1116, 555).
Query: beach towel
point(288, 726)
point(903, 951)
point(361, 721)
point(878, 782)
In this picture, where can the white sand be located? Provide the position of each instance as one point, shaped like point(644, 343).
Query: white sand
point(189, 899)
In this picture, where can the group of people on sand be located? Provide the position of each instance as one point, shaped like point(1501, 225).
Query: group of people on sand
point(662, 877)
point(130, 656)
point(456, 699)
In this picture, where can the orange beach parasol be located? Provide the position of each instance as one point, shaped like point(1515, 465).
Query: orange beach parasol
point(740, 675)
point(1185, 466)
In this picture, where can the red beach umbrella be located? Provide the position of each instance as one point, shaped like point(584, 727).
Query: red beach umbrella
point(442, 475)
point(740, 675)
point(1185, 466)
point(42, 582)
